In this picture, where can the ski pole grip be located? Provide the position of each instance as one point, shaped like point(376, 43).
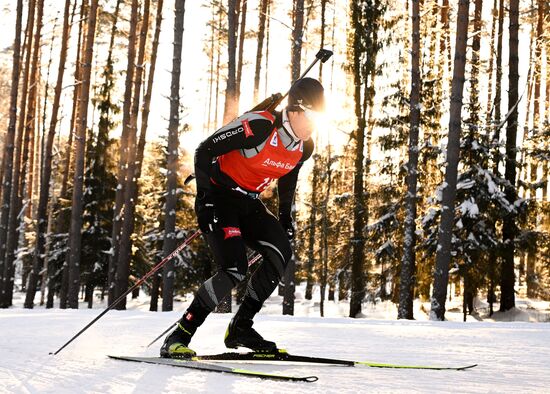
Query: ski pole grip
point(323, 55)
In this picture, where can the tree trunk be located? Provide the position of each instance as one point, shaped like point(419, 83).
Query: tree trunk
point(289, 285)
point(144, 125)
point(11, 180)
point(75, 237)
point(130, 189)
point(118, 277)
point(76, 96)
point(19, 176)
point(218, 58)
point(297, 33)
point(169, 243)
point(259, 50)
point(358, 241)
point(155, 284)
point(474, 73)
point(408, 263)
point(494, 138)
point(42, 214)
point(444, 43)
point(324, 237)
point(148, 94)
point(230, 108)
point(7, 158)
point(530, 83)
point(491, 81)
point(242, 33)
point(61, 227)
point(498, 89)
point(443, 254)
point(312, 227)
point(538, 116)
point(266, 68)
point(509, 227)
point(323, 26)
point(211, 72)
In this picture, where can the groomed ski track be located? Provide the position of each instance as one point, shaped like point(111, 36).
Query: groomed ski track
point(512, 357)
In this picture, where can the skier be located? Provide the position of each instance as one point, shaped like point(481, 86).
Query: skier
point(232, 167)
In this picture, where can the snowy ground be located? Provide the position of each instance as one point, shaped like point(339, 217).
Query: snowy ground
point(512, 356)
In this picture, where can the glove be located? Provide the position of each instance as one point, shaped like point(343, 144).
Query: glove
point(206, 213)
point(288, 225)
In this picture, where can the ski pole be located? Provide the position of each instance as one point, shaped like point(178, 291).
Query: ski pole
point(138, 283)
point(251, 262)
point(272, 102)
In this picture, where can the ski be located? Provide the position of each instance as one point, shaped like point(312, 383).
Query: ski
point(202, 366)
point(282, 355)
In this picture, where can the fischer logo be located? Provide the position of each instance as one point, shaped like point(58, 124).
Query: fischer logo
point(220, 137)
point(277, 164)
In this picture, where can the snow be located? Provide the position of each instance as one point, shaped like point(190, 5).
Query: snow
point(469, 208)
point(512, 356)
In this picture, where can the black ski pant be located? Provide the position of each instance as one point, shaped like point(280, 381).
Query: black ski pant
point(242, 221)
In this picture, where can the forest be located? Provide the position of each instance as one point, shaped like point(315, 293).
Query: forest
point(429, 177)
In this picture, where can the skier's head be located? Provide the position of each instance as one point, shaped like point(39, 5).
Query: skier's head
point(306, 93)
point(305, 99)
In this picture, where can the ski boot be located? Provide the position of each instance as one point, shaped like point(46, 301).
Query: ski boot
point(175, 344)
point(240, 333)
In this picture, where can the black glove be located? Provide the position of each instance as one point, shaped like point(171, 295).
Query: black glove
point(206, 213)
point(288, 225)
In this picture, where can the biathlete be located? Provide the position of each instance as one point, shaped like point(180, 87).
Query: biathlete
point(232, 167)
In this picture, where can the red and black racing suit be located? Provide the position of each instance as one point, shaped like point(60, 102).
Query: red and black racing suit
point(232, 167)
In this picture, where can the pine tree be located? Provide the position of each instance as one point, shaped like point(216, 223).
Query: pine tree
point(365, 17)
point(295, 62)
point(130, 189)
point(231, 104)
point(119, 281)
point(408, 263)
point(242, 34)
point(20, 164)
point(259, 51)
point(509, 227)
point(58, 275)
point(75, 238)
point(443, 255)
point(172, 160)
point(538, 116)
point(42, 215)
point(7, 157)
point(99, 180)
